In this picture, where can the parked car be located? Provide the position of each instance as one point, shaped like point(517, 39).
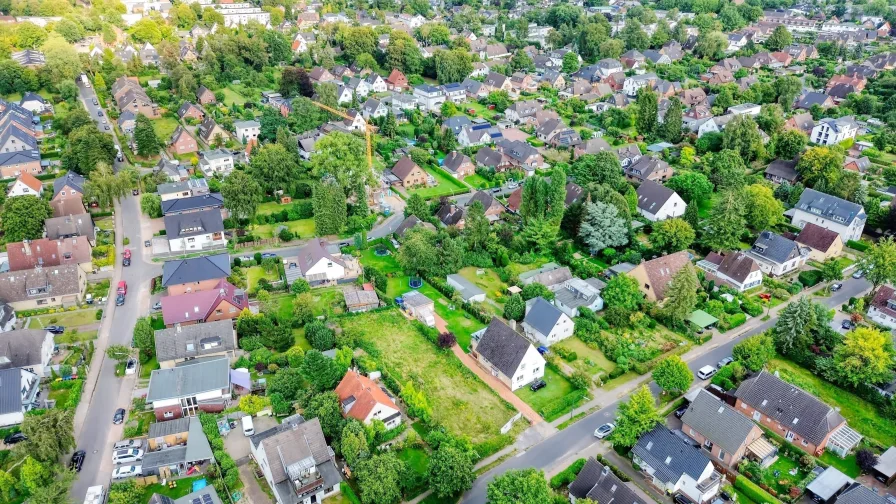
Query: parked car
point(246, 259)
point(836, 287)
point(157, 306)
point(118, 418)
point(131, 366)
point(127, 472)
point(127, 456)
point(127, 257)
point(107, 127)
point(119, 300)
point(96, 102)
point(858, 274)
point(135, 192)
point(147, 243)
point(604, 430)
point(128, 444)
point(15, 437)
point(543, 350)
point(99, 113)
point(538, 385)
point(55, 329)
point(847, 324)
point(681, 499)
point(681, 411)
point(268, 255)
point(706, 372)
point(77, 460)
point(724, 362)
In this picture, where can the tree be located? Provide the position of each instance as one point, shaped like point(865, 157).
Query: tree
point(242, 194)
point(125, 492)
point(56, 491)
point(673, 375)
point(591, 36)
point(105, 186)
point(534, 290)
point(711, 44)
point(477, 229)
point(274, 167)
point(635, 417)
point(570, 62)
point(145, 336)
point(515, 308)
point(771, 119)
point(763, 210)
point(670, 131)
point(792, 330)
point(692, 214)
point(878, 264)
point(342, 156)
point(779, 39)
point(789, 144)
point(251, 404)
point(62, 63)
point(417, 254)
point(831, 270)
point(303, 309)
point(453, 66)
point(866, 460)
point(29, 35)
point(295, 82)
point(450, 471)
point(865, 357)
point(320, 336)
point(681, 294)
point(820, 165)
point(517, 486)
point(33, 474)
point(330, 210)
point(320, 371)
point(755, 351)
point(726, 222)
point(647, 111)
point(23, 218)
point(379, 478)
point(672, 235)
point(600, 168)
point(87, 148)
point(118, 353)
point(691, 186)
point(622, 291)
point(417, 207)
point(602, 227)
point(146, 30)
point(354, 445)
point(788, 88)
point(50, 435)
point(634, 36)
point(326, 408)
point(611, 48)
point(742, 136)
point(151, 205)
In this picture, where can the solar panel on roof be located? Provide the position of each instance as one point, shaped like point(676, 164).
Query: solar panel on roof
point(196, 501)
point(206, 498)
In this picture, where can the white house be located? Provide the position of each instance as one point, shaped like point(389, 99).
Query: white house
point(737, 270)
point(467, 289)
point(247, 130)
point(359, 87)
point(507, 355)
point(750, 109)
point(316, 264)
point(376, 83)
point(190, 387)
point(217, 161)
point(545, 322)
point(35, 103)
point(830, 212)
point(420, 307)
point(19, 389)
point(657, 202)
point(676, 466)
point(374, 108)
point(28, 349)
point(633, 84)
point(26, 185)
point(364, 400)
point(343, 94)
point(195, 231)
point(831, 131)
point(576, 293)
point(429, 98)
point(883, 307)
point(777, 255)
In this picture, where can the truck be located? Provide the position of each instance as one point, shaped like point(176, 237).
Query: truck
point(84, 80)
point(96, 495)
point(118, 156)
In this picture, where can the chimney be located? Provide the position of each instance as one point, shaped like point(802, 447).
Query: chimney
point(606, 470)
point(26, 244)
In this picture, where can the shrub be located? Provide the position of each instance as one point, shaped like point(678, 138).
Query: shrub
point(753, 492)
point(580, 380)
point(857, 245)
point(567, 475)
point(447, 340)
point(809, 278)
point(558, 407)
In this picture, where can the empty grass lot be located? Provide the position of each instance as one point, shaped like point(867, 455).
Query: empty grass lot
point(460, 401)
point(557, 387)
point(445, 185)
point(328, 301)
point(461, 323)
point(231, 97)
point(303, 227)
point(590, 360)
point(164, 127)
point(269, 207)
point(71, 336)
point(859, 413)
point(477, 181)
point(67, 319)
point(256, 273)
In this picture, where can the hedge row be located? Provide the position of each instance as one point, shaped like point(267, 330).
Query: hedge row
point(753, 492)
point(568, 475)
point(857, 245)
point(349, 494)
point(809, 278)
point(619, 474)
point(560, 406)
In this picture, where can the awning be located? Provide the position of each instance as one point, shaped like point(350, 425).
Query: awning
point(761, 448)
point(701, 319)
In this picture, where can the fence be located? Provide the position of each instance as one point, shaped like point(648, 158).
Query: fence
point(506, 428)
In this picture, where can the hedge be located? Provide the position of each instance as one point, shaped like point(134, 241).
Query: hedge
point(555, 408)
point(349, 494)
point(568, 475)
point(857, 245)
point(809, 278)
point(619, 474)
point(753, 492)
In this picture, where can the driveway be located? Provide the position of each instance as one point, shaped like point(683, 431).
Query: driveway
point(252, 492)
point(237, 445)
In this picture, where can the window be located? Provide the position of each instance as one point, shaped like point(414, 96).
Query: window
point(191, 240)
point(168, 414)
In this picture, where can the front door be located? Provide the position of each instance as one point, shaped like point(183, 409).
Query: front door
point(757, 416)
point(789, 436)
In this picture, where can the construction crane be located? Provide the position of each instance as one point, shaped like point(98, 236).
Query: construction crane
point(368, 130)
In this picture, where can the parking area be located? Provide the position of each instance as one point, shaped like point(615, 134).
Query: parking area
point(237, 445)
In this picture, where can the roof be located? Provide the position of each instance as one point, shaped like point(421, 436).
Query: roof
point(198, 306)
point(189, 204)
point(774, 247)
point(736, 266)
point(542, 316)
point(404, 167)
point(31, 181)
point(169, 428)
point(70, 179)
point(206, 495)
point(19, 157)
point(886, 463)
point(22, 348)
point(358, 395)
point(194, 340)
point(503, 347)
point(410, 222)
point(487, 156)
point(359, 297)
point(644, 166)
point(598, 483)
point(670, 456)
point(718, 422)
point(313, 252)
point(80, 224)
point(829, 207)
point(193, 224)
point(828, 483)
point(859, 494)
point(416, 299)
point(189, 378)
point(467, 288)
point(789, 405)
point(197, 269)
point(813, 98)
point(652, 196)
point(817, 237)
point(884, 294)
point(548, 275)
point(56, 280)
point(10, 390)
point(454, 160)
point(293, 445)
point(48, 252)
point(661, 270)
point(783, 169)
point(701, 319)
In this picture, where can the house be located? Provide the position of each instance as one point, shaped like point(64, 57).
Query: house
point(183, 276)
point(397, 81)
point(211, 133)
point(27, 349)
point(781, 170)
point(247, 131)
point(360, 299)
point(592, 146)
point(735, 269)
point(693, 97)
point(628, 155)
point(46, 252)
point(468, 291)
point(374, 108)
point(551, 275)
point(823, 243)
point(831, 131)
point(411, 222)
point(657, 202)
point(364, 400)
point(18, 395)
point(420, 307)
point(26, 185)
point(409, 174)
point(181, 142)
point(545, 322)
point(296, 462)
point(190, 387)
point(802, 122)
point(493, 207)
point(35, 103)
point(604, 68)
point(523, 111)
point(654, 276)
point(721, 430)
point(205, 96)
point(497, 82)
point(858, 165)
point(320, 75)
point(633, 84)
point(430, 98)
point(777, 255)
point(828, 485)
point(216, 162)
point(507, 355)
point(195, 341)
point(750, 109)
point(883, 307)
point(576, 293)
point(830, 212)
point(223, 302)
point(183, 189)
point(478, 133)
point(647, 168)
point(127, 121)
point(657, 57)
point(174, 448)
point(673, 465)
point(43, 287)
point(489, 158)
point(597, 483)
point(130, 95)
point(450, 214)
point(793, 414)
point(29, 58)
point(319, 263)
point(13, 164)
point(67, 226)
point(812, 98)
point(195, 231)
point(190, 110)
point(458, 165)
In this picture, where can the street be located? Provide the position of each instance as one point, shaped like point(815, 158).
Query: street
point(580, 435)
point(88, 95)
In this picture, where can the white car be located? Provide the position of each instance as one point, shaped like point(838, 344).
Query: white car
point(127, 472)
point(131, 367)
point(604, 430)
point(128, 444)
point(706, 372)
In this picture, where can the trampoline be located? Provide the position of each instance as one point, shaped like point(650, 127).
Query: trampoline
point(382, 252)
point(415, 282)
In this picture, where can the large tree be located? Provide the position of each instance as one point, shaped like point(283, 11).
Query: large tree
point(61, 61)
point(105, 186)
point(681, 294)
point(691, 186)
point(145, 336)
point(450, 471)
point(865, 357)
point(330, 211)
point(789, 144)
point(145, 137)
point(670, 130)
point(820, 165)
point(151, 205)
point(755, 351)
point(622, 292)
point(600, 168)
point(742, 135)
point(326, 408)
point(49, 435)
point(517, 486)
point(342, 156)
point(763, 210)
point(878, 263)
point(275, 168)
point(453, 66)
point(672, 235)
point(726, 222)
point(794, 325)
point(647, 111)
point(295, 82)
point(779, 39)
point(477, 229)
point(727, 170)
point(242, 194)
point(23, 218)
point(86, 148)
point(673, 375)
point(602, 227)
point(379, 479)
point(417, 207)
point(635, 417)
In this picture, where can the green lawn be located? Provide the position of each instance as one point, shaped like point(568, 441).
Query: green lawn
point(480, 110)
point(71, 336)
point(488, 281)
point(184, 487)
point(847, 466)
point(105, 223)
point(460, 401)
point(327, 301)
point(60, 396)
point(164, 127)
point(270, 207)
point(445, 185)
point(590, 360)
point(385, 264)
point(477, 181)
point(256, 273)
point(300, 340)
point(417, 461)
point(232, 97)
point(304, 228)
point(147, 369)
point(461, 323)
point(557, 387)
point(782, 483)
point(68, 319)
point(860, 414)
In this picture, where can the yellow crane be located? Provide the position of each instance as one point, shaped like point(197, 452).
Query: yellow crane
point(368, 130)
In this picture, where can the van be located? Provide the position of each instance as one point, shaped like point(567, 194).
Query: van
point(248, 427)
point(706, 372)
point(128, 444)
point(122, 287)
point(127, 456)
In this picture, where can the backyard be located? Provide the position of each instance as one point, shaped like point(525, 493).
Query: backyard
point(460, 402)
point(557, 388)
point(75, 318)
point(327, 301)
point(256, 273)
point(488, 281)
point(445, 185)
point(184, 487)
point(385, 264)
point(302, 228)
point(781, 476)
point(231, 97)
point(164, 127)
point(417, 462)
point(461, 323)
point(588, 359)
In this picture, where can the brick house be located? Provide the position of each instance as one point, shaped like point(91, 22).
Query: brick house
point(190, 111)
point(184, 276)
point(723, 432)
point(182, 142)
point(459, 165)
point(409, 174)
point(224, 301)
point(205, 96)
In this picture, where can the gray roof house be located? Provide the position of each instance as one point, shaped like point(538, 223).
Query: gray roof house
point(18, 395)
point(828, 485)
point(411, 222)
point(507, 355)
point(576, 293)
point(467, 289)
point(551, 275)
point(195, 270)
point(722, 430)
point(69, 226)
point(29, 349)
point(781, 170)
point(178, 459)
point(185, 383)
point(545, 323)
point(205, 495)
point(184, 342)
point(676, 466)
point(69, 184)
point(195, 230)
point(860, 494)
point(777, 255)
point(830, 212)
point(208, 201)
point(596, 482)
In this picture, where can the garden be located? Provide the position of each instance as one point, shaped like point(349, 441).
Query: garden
point(446, 185)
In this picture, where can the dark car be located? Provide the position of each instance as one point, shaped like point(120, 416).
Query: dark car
point(147, 243)
point(55, 329)
point(16, 437)
point(77, 460)
point(836, 287)
point(268, 255)
point(847, 324)
point(681, 411)
point(681, 499)
point(126, 261)
point(99, 113)
point(118, 418)
point(119, 300)
point(535, 387)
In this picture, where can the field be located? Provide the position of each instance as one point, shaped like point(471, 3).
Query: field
point(67, 319)
point(445, 184)
point(557, 387)
point(232, 97)
point(256, 273)
point(459, 400)
point(164, 127)
point(304, 228)
point(461, 323)
point(327, 301)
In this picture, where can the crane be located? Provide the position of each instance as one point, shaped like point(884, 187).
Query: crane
point(368, 130)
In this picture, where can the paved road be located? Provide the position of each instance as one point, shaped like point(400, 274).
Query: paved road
point(580, 435)
point(88, 95)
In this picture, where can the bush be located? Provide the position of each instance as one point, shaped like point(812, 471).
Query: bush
point(447, 340)
point(857, 245)
point(809, 278)
point(753, 492)
point(565, 353)
point(567, 475)
point(619, 474)
point(555, 408)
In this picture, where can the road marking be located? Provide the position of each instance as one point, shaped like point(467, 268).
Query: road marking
point(520, 454)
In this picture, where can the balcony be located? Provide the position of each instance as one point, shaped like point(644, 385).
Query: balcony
point(709, 482)
point(309, 486)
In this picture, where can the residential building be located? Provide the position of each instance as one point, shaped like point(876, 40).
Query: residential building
point(883, 307)
point(35, 103)
point(885, 469)
point(183, 276)
point(205, 96)
point(190, 387)
point(576, 293)
point(13, 164)
point(70, 225)
point(409, 223)
point(812, 98)
point(360, 299)
point(420, 307)
point(188, 448)
point(430, 98)
point(236, 14)
point(777, 255)
point(468, 291)
point(657, 202)
point(223, 302)
point(203, 230)
point(30, 58)
point(735, 269)
point(628, 155)
point(129, 95)
point(458, 165)
point(633, 84)
point(321, 264)
point(48, 253)
point(374, 108)
point(247, 131)
point(648, 168)
point(545, 323)
point(43, 287)
point(493, 207)
point(190, 110)
point(551, 275)
point(27, 349)
point(823, 243)
point(397, 80)
point(195, 341)
point(211, 132)
point(450, 214)
point(723, 432)
point(830, 212)
point(674, 466)
point(750, 109)
point(65, 206)
point(365, 400)
point(216, 162)
point(181, 142)
point(780, 170)
point(827, 486)
point(831, 131)
point(18, 395)
point(507, 355)
point(596, 482)
point(183, 189)
point(523, 112)
point(655, 275)
point(409, 174)
point(26, 185)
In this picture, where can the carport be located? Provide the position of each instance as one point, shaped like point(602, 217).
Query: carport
point(702, 319)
